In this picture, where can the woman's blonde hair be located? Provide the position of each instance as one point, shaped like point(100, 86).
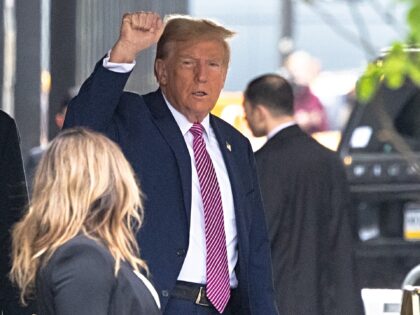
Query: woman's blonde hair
point(83, 185)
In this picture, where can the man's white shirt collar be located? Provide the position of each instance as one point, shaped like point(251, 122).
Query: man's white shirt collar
point(279, 128)
point(182, 121)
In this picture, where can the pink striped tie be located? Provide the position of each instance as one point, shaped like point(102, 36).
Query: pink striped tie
point(218, 286)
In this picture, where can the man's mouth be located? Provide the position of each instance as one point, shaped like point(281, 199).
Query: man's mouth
point(199, 93)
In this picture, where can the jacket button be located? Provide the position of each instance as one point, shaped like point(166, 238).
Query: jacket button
point(180, 252)
point(165, 293)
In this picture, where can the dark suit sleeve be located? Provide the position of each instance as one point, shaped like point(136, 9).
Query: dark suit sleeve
point(260, 269)
point(13, 200)
point(81, 278)
point(95, 105)
point(345, 290)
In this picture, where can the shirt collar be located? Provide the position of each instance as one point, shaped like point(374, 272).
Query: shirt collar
point(183, 123)
point(280, 127)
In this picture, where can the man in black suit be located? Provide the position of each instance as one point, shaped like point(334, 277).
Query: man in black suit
point(306, 202)
point(202, 199)
point(13, 200)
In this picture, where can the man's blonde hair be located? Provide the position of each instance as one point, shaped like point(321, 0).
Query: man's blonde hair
point(83, 185)
point(183, 28)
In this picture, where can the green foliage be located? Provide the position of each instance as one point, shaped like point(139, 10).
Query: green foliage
point(413, 20)
point(367, 84)
point(401, 61)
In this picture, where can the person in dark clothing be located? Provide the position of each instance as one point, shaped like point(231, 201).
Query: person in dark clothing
point(306, 200)
point(75, 249)
point(13, 200)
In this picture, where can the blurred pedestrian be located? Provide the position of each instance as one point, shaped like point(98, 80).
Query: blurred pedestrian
point(205, 237)
point(306, 200)
point(75, 248)
point(35, 153)
point(309, 112)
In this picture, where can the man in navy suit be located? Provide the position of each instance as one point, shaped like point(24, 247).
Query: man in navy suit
point(154, 132)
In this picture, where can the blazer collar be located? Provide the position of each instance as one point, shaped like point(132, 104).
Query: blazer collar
point(279, 128)
point(170, 131)
point(227, 147)
point(291, 131)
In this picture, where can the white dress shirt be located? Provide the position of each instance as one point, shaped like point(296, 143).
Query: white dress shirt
point(117, 67)
point(280, 127)
point(194, 267)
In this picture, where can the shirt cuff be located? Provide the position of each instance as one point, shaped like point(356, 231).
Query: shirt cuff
point(117, 67)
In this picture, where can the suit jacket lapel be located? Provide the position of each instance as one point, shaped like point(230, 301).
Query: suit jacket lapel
point(226, 148)
point(173, 136)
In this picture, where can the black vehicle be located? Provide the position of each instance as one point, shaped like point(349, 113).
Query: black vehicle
point(380, 148)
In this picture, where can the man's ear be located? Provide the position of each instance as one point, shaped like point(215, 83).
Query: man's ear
point(160, 71)
point(261, 112)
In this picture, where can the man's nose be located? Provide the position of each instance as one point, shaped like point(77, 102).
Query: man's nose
point(201, 72)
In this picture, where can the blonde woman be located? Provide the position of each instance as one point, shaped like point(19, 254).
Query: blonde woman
point(75, 250)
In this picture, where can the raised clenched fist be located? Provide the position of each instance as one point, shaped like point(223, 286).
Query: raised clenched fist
point(139, 31)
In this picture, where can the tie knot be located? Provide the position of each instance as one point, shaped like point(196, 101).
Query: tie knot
point(197, 130)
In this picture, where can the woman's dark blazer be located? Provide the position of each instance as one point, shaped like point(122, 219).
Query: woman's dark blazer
point(80, 279)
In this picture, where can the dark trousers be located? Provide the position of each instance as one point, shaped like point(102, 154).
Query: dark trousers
point(178, 306)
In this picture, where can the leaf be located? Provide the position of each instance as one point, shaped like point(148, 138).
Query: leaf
point(394, 64)
point(373, 69)
point(395, 80)
point(366, 87)
point(395, 67)
point(413, 20)
point(413, 72)
point(397, 48)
